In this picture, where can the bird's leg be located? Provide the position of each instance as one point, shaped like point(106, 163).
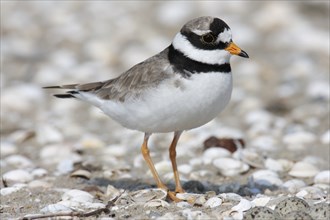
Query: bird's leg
point(147, 158)
point(172, 151)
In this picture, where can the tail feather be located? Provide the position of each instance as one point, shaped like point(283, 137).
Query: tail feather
point(64, 96)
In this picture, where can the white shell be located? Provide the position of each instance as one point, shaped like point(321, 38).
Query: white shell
point(230, 167)
point(19, 161)
point(243, 205)
point(260, 201)
point(303, 169)
point(322, 177)
point(267, 177)
point(213, 202)
point(55, 208)
point(17, 176)
point(157, 203)
point(7, 148)
point(294, 185)
point(311, 192)
point(213, 153)
point(77, 195)
point(146, 195)
point(81, 173)
point(273, 165)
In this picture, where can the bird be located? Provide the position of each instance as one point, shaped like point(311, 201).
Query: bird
point(183, 87)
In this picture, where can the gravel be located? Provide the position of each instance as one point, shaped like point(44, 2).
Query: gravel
point(269, 154)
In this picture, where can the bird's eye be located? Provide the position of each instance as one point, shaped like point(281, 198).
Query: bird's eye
point(208, 38)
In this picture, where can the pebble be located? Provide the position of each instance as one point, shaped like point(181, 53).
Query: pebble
point(325, 138)
point(55, 208)
point(19, 161)
point(273, 165)
point(294, 185)
point(320, 211)
point(17, 176)
point(297, 139)
point(303, 170)
point(213, 153)
point(267, 178)
point(297, 215)
point(7, 148)
point(230, 167)
point(39, 184)
point(48, 134)
point(39, 172)
point(322, 177)
point(213, 202)
point(8, 190)
point(311, 192)
point(260, 213)
point(291, 204)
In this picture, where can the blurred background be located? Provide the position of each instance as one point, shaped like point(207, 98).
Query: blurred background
point(281, 97)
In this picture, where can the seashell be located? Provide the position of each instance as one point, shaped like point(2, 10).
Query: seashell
point(48, 134)
point(213, 153)
point(213, 202)
point(264, 143)
point(19, 161)
point(39, 172)
point(320, 211)
point(260, 201)
point(190, 214)
point(250, 157)
point(188, 196)
point(325, 138)
point(322, 177)
point(266, 178)
point(200, 200)
point(77, 196)
point(230, 167)
point(311, 192)
point(112, 192)
point(116, 150)
point(242, 206)
point(273, 165)
point(303, 169)
point(286, 164)
point(8, 190)
point(291, 204)
point(157, 203)
point(294, 185)
point(183, 204)
point(228, 197)
point(260, 213)
point(145, 195)
point(297, 140)
point(7, 148)
point(55, 208)
point(17, 176)
point(39, 184)
point(185, 169)
point(81, 173)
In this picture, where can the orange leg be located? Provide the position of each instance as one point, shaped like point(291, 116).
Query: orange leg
point(147, 158)
point(172, 151)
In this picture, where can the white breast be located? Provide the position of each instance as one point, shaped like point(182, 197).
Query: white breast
point(177, 104)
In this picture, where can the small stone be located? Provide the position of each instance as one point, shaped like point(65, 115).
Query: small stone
point(297, 215)
point(19, 161)
point(291, 204)
point(322, 177)
point(267, 178)
point(320, 211)
point(77, 196)
point(230, 167)
point(7, 148)
point(213, 202)
point(39, 172)
point(311, 192)
point(55, 208)
point(260, 213)
point(303, 170)
point(39, 184)
point(273, 165)
point(17, 176)
point(185, 169)
point(213, 153)
point(81, 173)
point(294, 185)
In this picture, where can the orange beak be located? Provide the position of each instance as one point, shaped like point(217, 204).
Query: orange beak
point(235, 50)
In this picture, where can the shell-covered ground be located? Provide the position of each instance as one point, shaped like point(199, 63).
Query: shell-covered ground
point(266, 156)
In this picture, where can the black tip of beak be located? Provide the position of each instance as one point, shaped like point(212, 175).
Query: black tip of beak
point(243, 54)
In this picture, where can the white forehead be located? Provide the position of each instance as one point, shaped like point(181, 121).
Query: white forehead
point(200, 32)
point(225, 36)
